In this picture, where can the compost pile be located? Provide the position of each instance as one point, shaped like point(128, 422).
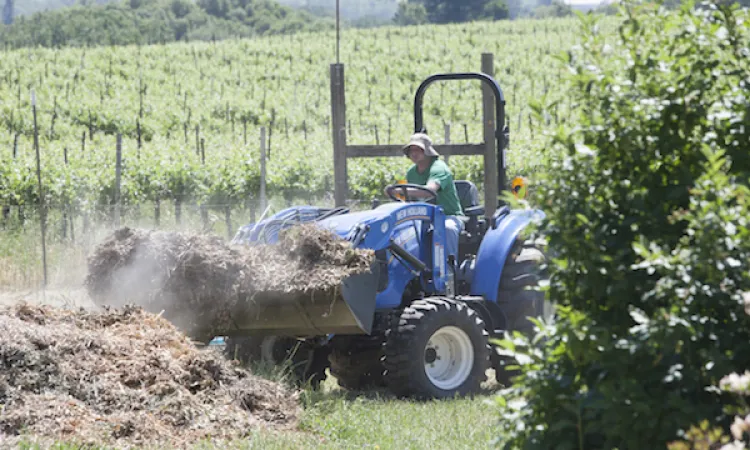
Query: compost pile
point(124, 378)
point(198, 280)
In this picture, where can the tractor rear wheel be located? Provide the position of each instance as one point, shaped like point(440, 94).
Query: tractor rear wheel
point(307, 363)
point(519, 298)
point(436, 348)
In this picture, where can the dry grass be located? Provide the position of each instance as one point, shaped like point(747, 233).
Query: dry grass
point(124, 378)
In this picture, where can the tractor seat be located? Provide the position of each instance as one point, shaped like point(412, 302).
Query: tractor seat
point(468, 196)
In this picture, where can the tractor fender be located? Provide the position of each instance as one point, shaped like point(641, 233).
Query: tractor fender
point(494, 249)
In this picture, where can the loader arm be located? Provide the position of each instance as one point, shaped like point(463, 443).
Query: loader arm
point(410, 240)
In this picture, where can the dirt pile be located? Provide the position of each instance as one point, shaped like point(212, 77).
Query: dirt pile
point(200, 280)
point(123, 378)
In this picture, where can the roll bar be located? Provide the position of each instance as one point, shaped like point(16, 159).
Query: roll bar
point(500, 128)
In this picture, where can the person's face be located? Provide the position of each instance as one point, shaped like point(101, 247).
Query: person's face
point(416, 154)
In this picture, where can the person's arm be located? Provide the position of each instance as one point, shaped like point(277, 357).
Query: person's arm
point(440, 177)
point(415, 193)
point(431, 185)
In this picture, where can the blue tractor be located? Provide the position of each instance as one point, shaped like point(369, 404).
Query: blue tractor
point(419, 324)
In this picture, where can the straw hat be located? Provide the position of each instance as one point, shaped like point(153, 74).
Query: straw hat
point(422, 141)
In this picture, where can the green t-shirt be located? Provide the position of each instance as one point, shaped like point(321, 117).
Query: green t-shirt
point(447, 197)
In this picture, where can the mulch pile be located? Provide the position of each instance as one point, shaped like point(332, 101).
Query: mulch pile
point(200, 281)
point(123, 378)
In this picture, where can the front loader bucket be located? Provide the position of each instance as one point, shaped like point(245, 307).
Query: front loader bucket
point(349, 309)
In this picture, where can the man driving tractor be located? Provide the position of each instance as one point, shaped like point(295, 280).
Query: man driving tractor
point(429, 171)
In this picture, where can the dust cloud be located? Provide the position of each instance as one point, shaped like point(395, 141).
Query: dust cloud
point(199, 282)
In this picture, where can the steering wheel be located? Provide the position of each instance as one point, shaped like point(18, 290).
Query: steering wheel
point(403, 189)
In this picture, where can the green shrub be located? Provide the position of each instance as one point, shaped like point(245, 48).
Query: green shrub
point(706, 437)
point(647, 226)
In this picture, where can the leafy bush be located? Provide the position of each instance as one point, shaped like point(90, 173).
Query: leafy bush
point(706, 437)
point(647, 226)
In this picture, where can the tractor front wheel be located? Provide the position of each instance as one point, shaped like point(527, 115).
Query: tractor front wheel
point(436, 348)
point(307, 363)
point(356, 361)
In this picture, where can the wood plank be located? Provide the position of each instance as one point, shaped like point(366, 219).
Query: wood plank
point(490, 155)
point(372, 151)
point(338, 129)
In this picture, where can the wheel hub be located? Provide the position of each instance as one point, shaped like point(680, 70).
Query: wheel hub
point(430, 355)
point(448, 357)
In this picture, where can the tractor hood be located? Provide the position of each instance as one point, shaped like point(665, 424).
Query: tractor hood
point(376, 226)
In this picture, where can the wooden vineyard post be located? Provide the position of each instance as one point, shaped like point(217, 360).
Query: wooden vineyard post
point(157, 211)
point(140, 96)
point(138, 132)
point(42, 210)
point(118, 175)
point(197, 139)
point(447, 140)
point(263, 200)
point(91, 126)
point(204, 216)
point(178, 210)
point(520, 119)
point(490, 156)
point(52, 122)
point(338, 129)
point(531, 126)
point(68, 215)
point(64, 228)
point(228, 219)
point(203, 208)
point(270, 135)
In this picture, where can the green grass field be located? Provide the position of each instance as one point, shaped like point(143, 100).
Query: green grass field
point(336, 420)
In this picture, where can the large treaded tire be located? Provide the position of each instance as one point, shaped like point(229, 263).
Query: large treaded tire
point(358, 369)
point(519, 298)
point(307, 363)
point(245, 349)
point(406, 347)
point(356, 361)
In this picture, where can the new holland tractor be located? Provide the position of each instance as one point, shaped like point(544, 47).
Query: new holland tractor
point(419, 323)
